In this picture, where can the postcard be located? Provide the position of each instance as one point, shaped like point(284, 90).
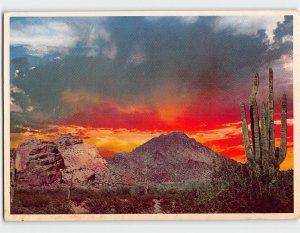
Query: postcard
point(151, 115)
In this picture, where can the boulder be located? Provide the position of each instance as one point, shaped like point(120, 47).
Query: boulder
point(34, 154)
point(38, 163)
point(59, 163)
point(86, 164)
point(83, 156)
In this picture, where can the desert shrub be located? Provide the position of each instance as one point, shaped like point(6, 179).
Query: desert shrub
point(80, 195)
point(137, 190)
point(120, 204)
point(40, 202)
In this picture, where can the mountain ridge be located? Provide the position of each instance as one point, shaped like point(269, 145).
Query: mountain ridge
point(172, 157)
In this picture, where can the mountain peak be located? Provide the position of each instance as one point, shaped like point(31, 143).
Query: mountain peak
point(172, 141)
point(175, 134)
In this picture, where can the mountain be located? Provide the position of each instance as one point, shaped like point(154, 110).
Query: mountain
point(173, 157)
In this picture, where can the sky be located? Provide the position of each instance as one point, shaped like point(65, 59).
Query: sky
point(119, 81)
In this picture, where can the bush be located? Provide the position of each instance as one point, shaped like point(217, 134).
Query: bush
point(40, 202)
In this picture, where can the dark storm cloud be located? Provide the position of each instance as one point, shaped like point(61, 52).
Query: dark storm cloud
point(128, 59)
point(283, 39)
point(283, 29)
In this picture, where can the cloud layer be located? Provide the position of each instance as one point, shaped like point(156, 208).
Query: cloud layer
point(145, 73)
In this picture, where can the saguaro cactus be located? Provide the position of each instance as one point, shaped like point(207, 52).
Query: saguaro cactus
point(262, 156)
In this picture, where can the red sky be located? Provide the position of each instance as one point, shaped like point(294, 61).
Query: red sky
point(115, 128)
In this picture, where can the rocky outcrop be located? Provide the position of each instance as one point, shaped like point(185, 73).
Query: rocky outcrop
point(86, 164)
point(58, 163)
point(83, 156)
point(65, 141)
point(38, 163)
point(83, 163)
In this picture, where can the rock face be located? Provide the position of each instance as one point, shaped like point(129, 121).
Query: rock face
point(65, 141)
point(168, 158)
point(83, 163)
point(38, 163)
point(86, 164)
point(59, 162)
point(83, 156)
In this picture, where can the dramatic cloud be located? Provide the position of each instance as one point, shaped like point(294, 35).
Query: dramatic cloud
point(147, 74)
point(283, 39)
point(41, 38)
point(249, 24)
point(48, 35)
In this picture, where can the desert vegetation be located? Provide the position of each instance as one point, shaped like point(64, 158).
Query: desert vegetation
point(232, 196)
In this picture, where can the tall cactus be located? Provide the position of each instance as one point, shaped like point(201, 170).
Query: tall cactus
point(262, 156)
point(264, 140)
point(247, 145)
point(255, 120)
point(271, 124)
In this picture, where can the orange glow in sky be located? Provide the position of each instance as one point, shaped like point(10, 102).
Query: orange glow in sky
point(225, 139)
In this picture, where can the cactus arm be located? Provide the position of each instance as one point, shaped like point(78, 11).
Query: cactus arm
point(267, 128)
point(283, 133)
point(271, 120)
point(264, 147)
point(252, 128)
point(254, 119)
point(248, 150)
